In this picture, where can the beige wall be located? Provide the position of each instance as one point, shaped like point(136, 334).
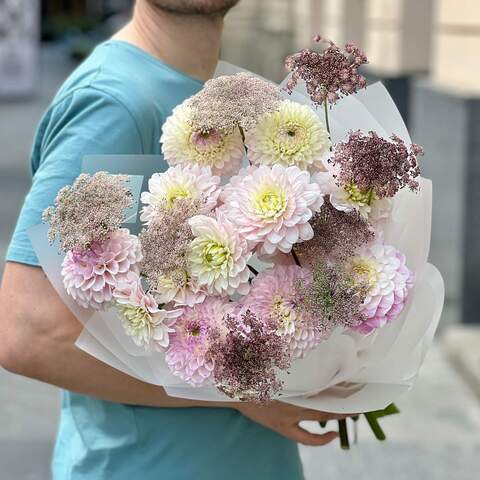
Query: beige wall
point(456, 45)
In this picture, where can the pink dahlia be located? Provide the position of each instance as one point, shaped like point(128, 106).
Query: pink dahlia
point(148, 325)
point(183, 182)
point(271, 206)
point(274, 296)
point(187, 355)
point(218, 256)
point(90, 276)
point(382, 272)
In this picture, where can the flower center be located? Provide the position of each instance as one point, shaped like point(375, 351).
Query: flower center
point(269, 203)
point(205, 140)
point(359, 197)
point(137, 319)
point(175, 193)
point(215, 254)
point(283, 311)
point(365, 273)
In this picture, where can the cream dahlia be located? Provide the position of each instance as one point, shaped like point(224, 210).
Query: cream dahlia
point(191, 182)
point(218, 256)
point(274, 296)
point(348, 197)
point(178, 287)
point(271, 206)
point(187, 354)
point(182, 143)
point(148, 325)
point(291, 135)
point(90, 276)
point(381, 271)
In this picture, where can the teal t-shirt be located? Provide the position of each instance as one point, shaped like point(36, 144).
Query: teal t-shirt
point(116, 103)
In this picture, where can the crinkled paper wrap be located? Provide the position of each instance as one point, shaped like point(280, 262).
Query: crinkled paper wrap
point(349, 372)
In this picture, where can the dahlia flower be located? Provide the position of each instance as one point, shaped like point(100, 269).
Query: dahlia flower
point(218, 256)
point(271, 206)
point(180, 182)
point(148, 325)
point(382, 272)
point(291, 135)
point(328, 75)
point(88, 211)
point(187, 356)
point(348, 197)
point(90, 276)
point(185, 143)
point(274, 296)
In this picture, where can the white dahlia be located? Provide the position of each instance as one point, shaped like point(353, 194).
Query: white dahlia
point(274, 296)
point(381, 270)
point(148, 325)
point(187, 355)
point(272, 206)
point(91, 275)
point(218, 256)
point(178, 287)
point(291, 135)
point(182, 143)
point(181, 182)
point(348, 197)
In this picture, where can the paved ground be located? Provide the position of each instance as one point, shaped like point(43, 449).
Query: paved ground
point(437, 437)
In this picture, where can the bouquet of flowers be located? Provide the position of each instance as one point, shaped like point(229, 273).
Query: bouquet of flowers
point(282, 254)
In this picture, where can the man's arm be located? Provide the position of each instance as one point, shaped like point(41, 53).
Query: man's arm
point(37, 340)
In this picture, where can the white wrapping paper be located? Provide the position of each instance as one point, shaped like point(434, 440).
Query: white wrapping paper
point(349, 372)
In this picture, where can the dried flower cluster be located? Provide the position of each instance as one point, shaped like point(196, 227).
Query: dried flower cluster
point(332, 297)
point(373, 164)
point(165, 242)
point(246, 358)
point(329, 74)
point(88, 211)
point(233, 101)
point(337, 235)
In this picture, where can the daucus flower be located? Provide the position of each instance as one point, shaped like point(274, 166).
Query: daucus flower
point(337, 235)
point(186, 143)
point(188, 355)
point(272, 206)
point(91, 275)
point(165, 245)
point(328, 75)
point(291, 135)
point(88, 211)
point(274, 296)
point(231, 101)
point(148, 325)
point(248, 357)
point(218, 256)
point(180, 183)
point(381, 272)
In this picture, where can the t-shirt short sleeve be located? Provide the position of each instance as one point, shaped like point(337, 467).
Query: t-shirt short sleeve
point(87, 121)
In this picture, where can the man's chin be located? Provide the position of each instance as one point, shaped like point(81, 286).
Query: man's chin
point(195, 7)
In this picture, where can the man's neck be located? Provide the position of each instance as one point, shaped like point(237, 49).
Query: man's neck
point(191, 44)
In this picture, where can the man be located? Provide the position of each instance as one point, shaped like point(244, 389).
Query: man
point(114, 427)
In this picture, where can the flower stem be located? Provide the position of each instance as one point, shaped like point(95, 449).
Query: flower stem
point(253, 270)
point(295, 257)
point(375, 426)
point(342, 430)
point(327, 121)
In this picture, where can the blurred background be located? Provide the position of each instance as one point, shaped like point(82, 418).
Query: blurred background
point(427, 54)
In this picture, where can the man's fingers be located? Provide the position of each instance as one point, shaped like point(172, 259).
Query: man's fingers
point(304, 437)
point(308, 414)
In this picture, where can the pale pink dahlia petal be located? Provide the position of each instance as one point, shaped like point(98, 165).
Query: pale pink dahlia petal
point(271, 206)
point(187, 356)
point(90, 276)
point(382, 269)
point(180, 182)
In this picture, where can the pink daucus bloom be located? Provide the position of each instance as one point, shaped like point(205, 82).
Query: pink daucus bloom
point(383, 273)
point(271, 206)
point(328, 75)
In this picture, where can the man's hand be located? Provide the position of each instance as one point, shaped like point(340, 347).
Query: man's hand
point(284, 419)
